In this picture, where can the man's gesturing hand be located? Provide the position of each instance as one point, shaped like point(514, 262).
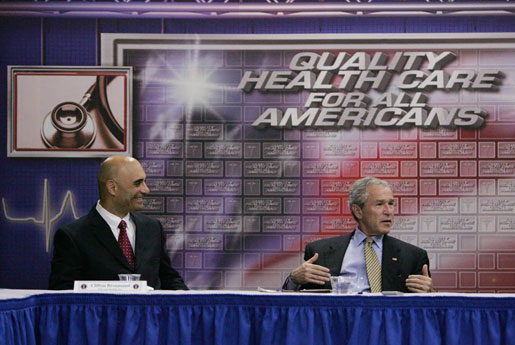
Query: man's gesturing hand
point(420, 283)
point(310, 273)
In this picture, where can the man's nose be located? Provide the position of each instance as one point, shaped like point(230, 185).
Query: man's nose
point(145, 189)
point(388, 208)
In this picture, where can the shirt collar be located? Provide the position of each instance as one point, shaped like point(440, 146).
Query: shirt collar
point(112, 220)
point(360, 237)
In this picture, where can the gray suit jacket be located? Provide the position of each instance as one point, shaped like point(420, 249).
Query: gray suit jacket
point(400, 259)
point(87, 250)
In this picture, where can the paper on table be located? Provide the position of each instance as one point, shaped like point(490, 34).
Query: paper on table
point(260, 289)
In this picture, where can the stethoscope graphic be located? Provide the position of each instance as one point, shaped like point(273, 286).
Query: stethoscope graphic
point(70, 124)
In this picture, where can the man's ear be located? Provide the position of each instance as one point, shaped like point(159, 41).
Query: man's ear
point(111, 187)
point(357, 211)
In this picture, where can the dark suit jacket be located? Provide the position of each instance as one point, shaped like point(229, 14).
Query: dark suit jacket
point(400, 259)
point(87, 250)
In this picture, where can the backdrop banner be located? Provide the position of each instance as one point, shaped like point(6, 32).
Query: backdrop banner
point(251, 142)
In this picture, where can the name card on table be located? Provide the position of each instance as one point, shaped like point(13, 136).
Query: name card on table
point(137, 286)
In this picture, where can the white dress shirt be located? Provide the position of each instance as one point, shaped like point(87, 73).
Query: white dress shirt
point(113, 221)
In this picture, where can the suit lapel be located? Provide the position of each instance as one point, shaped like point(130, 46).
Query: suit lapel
point(390, 265)
point(141, 241)
point(105, 237)
point(336, 253)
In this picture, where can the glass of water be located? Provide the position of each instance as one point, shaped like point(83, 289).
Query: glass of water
point(126, 277)
point(340, 284)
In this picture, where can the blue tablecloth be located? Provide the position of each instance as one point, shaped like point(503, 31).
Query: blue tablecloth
point(233, 318)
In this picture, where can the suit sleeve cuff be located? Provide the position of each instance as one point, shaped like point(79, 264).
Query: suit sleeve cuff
point(290, 285)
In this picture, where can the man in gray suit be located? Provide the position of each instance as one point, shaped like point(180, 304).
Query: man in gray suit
point(400, 265)
point(112, 238)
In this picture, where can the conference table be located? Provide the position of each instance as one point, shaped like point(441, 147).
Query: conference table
point(254, 317)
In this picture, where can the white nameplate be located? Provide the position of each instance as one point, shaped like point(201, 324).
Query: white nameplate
point(137, 286)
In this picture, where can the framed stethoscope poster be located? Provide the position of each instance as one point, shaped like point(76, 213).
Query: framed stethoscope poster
point(57, 111)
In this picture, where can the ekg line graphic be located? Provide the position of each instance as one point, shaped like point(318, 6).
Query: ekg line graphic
point(46, 219)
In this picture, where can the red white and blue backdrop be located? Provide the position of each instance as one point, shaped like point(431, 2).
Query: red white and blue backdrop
point(251, 138)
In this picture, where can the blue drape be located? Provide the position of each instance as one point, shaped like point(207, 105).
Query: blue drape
point(256, 319)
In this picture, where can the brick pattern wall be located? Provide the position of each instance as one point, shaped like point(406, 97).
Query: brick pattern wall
point(239, 204)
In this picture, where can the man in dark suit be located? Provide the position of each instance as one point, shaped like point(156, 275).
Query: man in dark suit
point(112, 238)
point(400, 266)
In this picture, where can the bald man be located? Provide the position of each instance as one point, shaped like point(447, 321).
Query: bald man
point(113, 238)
